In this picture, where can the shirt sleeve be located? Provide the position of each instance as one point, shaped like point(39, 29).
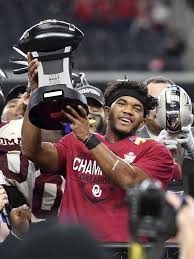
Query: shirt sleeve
point(156, 161)
point(62, 150)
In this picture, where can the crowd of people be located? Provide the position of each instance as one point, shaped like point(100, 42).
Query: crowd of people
point(147, 21)
point(144, 21)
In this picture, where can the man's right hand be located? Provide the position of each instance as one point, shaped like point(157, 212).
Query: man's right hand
point(185, 221)
point(32, 71)
point(172, 144)
point(186, 140)
point(20, 220)
point(166, 139)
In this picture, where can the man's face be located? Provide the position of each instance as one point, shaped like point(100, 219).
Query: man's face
point(126, 115)
point(11, 111)
point(97, 119)
point(154, 89)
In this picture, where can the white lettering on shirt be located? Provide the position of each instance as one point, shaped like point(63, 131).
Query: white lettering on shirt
point(86, 166)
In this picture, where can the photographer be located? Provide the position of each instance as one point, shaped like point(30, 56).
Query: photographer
point(19, 218)
point(185, 221)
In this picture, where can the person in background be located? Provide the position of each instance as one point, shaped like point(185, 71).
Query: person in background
point(11, 236)
point(184, 221)
point(13, 167)
point(24, 182)
point(60, 241)
point(152, 128)
point(20, 218)
point(96, 106)
point(155, 86)
point(12, 109)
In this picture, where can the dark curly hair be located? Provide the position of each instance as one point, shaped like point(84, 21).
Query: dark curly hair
point(139, 86)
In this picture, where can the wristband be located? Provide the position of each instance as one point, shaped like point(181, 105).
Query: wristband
point(92, 141)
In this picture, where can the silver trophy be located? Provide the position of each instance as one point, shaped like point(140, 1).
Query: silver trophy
point(52, 42)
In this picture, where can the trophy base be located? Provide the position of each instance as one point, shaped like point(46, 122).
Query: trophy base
point(47, 103)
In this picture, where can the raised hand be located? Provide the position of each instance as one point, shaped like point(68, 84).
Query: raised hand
point(168, 140)
point(185, 221)
point(32, 71)
point(186, 140)
point(79, 122)
point(20, 219)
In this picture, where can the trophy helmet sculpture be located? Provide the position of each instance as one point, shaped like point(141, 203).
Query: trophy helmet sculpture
point(175, 109)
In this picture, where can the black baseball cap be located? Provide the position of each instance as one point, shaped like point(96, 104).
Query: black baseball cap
point(92, 92)
point(15, 92)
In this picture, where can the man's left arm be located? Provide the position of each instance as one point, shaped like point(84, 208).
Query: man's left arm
point(120, 172)
point(115, 168)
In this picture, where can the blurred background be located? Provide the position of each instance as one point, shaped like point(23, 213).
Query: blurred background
point(136, 38)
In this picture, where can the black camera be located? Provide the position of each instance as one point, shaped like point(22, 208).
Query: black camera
point(151, 216)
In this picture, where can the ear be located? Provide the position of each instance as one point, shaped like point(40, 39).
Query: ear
point(107, 111)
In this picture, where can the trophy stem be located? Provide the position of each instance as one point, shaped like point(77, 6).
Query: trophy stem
point(54, 67)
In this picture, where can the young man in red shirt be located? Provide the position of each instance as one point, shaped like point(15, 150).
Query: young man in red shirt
point(99, 169)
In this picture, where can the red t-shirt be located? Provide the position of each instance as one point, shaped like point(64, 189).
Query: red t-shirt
point(91, 197)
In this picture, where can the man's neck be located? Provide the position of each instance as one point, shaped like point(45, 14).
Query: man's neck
point(113, 137)
point(152, 134)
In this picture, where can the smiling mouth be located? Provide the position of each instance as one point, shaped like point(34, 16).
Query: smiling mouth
point(125, 121)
